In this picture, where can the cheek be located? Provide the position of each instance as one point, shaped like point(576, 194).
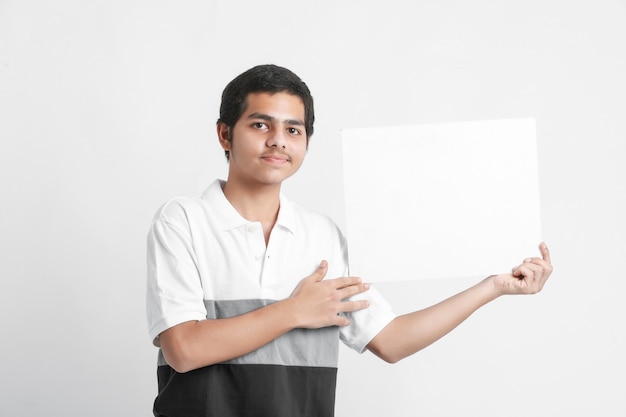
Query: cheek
point(298, 157)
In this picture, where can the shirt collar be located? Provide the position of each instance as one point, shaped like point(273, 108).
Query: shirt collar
point(230, 217)
point(286, 215)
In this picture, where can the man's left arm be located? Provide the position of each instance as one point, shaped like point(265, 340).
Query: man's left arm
point(409, 333)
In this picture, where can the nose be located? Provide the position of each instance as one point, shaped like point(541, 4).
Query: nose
point(277, 139)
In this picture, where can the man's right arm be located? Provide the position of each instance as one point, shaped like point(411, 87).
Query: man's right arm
point(315, 303)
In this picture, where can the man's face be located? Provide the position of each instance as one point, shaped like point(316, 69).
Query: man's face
point(268, 142)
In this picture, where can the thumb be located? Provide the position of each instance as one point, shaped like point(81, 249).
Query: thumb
point(545, 252)
point(320, 272)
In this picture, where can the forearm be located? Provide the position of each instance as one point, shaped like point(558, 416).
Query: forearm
point(195, 344)
point(412, 332)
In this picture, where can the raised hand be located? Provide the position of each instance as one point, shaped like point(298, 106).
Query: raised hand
point(529, 277)
point(318, 302)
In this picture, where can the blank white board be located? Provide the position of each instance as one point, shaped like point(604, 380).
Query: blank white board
point(446, 200)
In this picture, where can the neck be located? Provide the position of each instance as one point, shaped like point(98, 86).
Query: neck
point(255, 203)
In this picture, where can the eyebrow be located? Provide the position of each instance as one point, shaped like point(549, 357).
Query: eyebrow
point(269, 118)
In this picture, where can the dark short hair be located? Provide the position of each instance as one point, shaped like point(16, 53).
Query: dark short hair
point(264, 79)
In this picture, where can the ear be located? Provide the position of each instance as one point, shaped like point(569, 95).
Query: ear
point(223, 135)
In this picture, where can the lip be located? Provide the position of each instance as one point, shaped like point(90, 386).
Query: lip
point(276, 158)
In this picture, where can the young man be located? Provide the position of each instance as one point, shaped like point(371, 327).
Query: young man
point(249, 294)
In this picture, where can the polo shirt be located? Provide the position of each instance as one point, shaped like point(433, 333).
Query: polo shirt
point(205, 261)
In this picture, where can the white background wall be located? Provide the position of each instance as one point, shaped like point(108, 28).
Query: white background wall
point(107, 109)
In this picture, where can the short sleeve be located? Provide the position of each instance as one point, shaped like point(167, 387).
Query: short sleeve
point(367, 323)
point(174, 290)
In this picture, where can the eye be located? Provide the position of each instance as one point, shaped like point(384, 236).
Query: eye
point(293, 131)
point(259, 125)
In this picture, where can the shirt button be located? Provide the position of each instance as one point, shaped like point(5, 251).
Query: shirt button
point(251, 229)
point(258, 257)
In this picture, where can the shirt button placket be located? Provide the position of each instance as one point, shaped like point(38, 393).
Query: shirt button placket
point(256, 244)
